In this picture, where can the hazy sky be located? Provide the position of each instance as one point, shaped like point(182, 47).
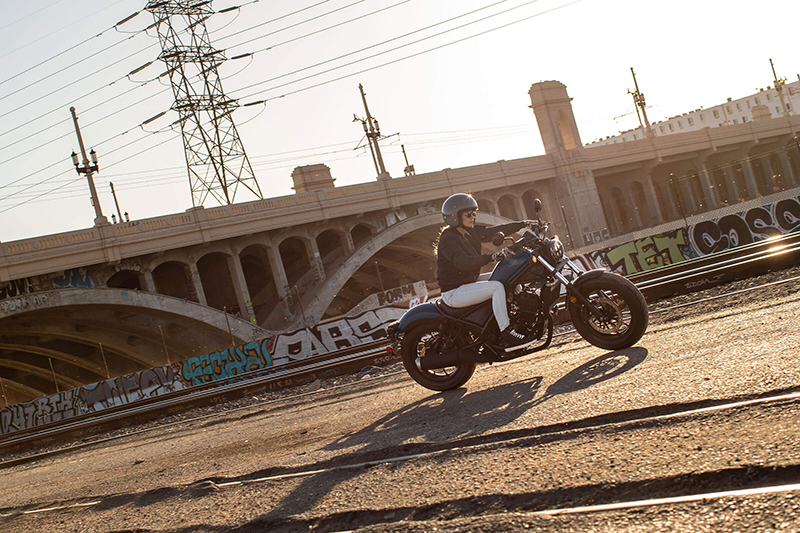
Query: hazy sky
point(456, 99)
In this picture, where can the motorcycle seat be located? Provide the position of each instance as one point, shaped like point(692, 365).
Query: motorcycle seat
point(455, 312)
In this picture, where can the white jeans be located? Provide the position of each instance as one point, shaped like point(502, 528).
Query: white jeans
point(480, 291)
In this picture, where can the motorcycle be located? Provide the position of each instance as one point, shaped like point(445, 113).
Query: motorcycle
point(440, 346)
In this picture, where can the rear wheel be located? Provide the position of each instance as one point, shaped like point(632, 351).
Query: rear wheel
point(426, 339)
point(623, 307)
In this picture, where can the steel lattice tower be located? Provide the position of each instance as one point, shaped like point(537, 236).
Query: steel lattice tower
point(215, 156)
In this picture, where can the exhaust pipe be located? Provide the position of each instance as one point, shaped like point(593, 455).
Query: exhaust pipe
point(436, 361)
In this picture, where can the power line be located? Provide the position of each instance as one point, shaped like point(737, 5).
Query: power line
point(352, 74)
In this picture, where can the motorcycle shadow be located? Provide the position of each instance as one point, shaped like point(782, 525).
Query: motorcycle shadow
point(608, 366)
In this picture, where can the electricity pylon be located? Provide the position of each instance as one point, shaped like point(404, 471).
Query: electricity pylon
point(215, 156)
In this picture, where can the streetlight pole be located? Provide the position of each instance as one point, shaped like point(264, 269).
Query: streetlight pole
point(88, 169)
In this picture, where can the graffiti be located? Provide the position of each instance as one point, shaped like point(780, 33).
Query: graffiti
point(704, 238)
point(261, 357)
point(75, 278)
point(25, 303)
point(747, 227)
point(227, 363)
point(648, 253)
point(90, 398)
point(17, 287)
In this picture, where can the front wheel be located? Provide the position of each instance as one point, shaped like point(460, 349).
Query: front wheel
point(426, 339)
point(623, 307)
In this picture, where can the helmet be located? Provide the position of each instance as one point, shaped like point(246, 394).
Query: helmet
point(455, 205)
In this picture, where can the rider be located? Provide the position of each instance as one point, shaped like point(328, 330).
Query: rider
point(459, 261)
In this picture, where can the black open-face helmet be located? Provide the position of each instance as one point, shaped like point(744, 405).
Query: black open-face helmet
point(455, 205)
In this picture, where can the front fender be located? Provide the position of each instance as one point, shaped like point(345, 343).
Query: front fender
point(589, 274)
point(423, 312)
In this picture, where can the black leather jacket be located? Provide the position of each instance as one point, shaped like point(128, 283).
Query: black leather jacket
point(459, 258)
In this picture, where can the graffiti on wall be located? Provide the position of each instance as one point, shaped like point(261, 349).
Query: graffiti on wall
point(90, 398)
point(264, 355)
point(17, 287)
point(74, 278)
point(697, 240)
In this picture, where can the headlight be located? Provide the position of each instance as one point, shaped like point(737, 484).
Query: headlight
point(556, 249)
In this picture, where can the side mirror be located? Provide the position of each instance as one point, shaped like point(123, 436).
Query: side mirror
point(498, 238)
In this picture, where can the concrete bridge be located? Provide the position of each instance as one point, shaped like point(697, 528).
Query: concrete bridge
point(79, 306)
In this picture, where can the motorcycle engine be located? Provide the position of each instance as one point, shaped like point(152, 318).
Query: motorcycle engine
point(527, 306)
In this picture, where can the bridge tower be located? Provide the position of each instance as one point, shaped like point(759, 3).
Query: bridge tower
point(575, 184)
point(215, 156)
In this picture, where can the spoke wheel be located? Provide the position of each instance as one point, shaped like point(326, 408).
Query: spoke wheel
point(421, 341)
point(624, 312)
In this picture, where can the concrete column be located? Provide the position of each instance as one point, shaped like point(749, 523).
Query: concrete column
point(734, 189)
point(652, 199)
point(279, 276)
point(708, 191)
point(750, 179)
point(316, 259)
point(198, 283)
point(240, 286)
point(636, 222)
point(519, 205)
point(790, 179)
point(149, 281)
point(769, 174)
point(348, 242)
point(672, 196)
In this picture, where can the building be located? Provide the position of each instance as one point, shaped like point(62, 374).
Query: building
point(766, 103)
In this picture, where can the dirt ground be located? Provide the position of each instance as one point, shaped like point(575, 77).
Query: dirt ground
point(571, 426)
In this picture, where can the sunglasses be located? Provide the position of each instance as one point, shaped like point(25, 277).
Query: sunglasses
point(470, 214)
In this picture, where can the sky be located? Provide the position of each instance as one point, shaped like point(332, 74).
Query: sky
point(447, 79)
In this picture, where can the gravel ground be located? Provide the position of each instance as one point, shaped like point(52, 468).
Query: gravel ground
point(573, 425)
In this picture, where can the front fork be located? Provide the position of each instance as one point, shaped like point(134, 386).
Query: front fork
point(573, 295)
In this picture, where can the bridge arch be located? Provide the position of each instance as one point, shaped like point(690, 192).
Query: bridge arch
point(327, 292)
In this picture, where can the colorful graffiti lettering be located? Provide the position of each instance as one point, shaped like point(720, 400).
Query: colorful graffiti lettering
point(75, 278)
point(699, 239)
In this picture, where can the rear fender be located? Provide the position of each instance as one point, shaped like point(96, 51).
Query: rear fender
point(419, 313)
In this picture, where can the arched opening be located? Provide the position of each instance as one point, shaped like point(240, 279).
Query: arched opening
point(621, 212)
point(696, 198)
point(567, 136)
point(331, 250)
point(260, 281)
point(779, 176)
point(486, 206)
point(126, 279)
point(361, 234)
point(718, 181)
point(640, 204)
point(295, 259)
point(174, 279)
point(759, 173)
point(218, 283)
point(528, 198)
point(507, 209)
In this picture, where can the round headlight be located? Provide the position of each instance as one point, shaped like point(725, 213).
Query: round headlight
point(556, 249)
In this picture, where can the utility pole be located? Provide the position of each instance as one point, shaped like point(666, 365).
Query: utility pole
point(373, 132)
point(409, 170)
point(114, 194)
point(638, 99)
point(779, 87)
point(88, 169)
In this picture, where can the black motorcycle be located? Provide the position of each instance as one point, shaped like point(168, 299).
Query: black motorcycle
point(441, 345)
